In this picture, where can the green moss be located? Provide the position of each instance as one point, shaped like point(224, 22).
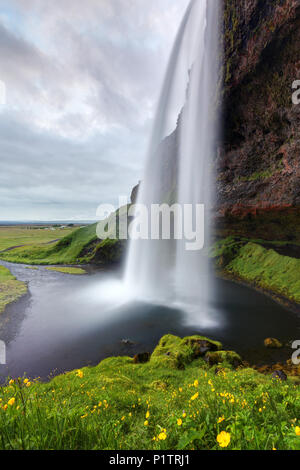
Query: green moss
point(10, 289)
point(176, 353)
point(260, 266)
point(68, 270)
point(224, 251)
point(230, 358)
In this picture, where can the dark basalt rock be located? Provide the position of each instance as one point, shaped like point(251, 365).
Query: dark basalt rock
point(202, 347)
point(258, 163)
point(127, 342)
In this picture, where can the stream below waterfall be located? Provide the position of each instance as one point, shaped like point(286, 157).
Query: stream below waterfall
point(67, 322)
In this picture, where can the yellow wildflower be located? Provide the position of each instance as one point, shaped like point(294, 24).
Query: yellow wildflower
point(196, 383)
point(297, 430)
point(194, 397)
point(11, 382)
point(179, 422)
point(162, 436)
point(79, 374)
point(221, 419)
point(11, 402)
point(223, 439)
point(147, 415)
point(146, 423)
point(25, 381)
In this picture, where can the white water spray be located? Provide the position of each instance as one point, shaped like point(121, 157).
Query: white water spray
point(179, 165)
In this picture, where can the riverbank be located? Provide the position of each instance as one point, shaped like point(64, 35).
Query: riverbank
point(174, 401)
point(260, 265)
point(10, 288)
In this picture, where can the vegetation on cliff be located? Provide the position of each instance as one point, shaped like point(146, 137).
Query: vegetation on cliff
point(260, 266)
point(122, 405)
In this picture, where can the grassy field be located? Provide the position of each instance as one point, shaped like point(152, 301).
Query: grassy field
point(81, 246)
point(263, 267)
point(10, 288)
point(23, 235)
point(171, 402)
point(65, 251)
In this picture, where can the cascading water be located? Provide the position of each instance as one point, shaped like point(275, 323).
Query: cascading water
point(180, 162)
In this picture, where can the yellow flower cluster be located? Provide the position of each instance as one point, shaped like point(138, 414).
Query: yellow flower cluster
point(223, 439)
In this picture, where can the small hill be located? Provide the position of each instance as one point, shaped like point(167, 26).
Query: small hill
point(82, 246)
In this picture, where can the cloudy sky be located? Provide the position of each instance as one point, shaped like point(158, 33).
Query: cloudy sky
point(82, 82)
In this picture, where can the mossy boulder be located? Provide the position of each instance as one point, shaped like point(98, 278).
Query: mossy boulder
point(224, 357)
point(273, 343)
point(176, 353)
point(201, 345)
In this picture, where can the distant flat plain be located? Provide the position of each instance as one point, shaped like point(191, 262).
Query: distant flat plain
point(19, 235)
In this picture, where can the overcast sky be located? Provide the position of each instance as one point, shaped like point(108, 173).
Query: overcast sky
point(82, 82)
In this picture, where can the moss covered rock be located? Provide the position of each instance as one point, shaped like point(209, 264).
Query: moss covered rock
point(224, 357)
point(176, 353)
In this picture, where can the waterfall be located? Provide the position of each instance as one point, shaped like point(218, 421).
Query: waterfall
point(179, 167)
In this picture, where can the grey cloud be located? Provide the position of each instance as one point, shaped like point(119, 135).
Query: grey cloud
point(82, 81)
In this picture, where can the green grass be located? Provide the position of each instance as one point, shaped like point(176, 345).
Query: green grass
point(81, 246)
point(121, 405)
point(68, 270)
point(23, 235)
point(10, 289)
point(260, 266)
point(66, 251)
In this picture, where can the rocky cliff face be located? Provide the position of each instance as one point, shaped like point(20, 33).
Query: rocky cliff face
point(258, 188)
